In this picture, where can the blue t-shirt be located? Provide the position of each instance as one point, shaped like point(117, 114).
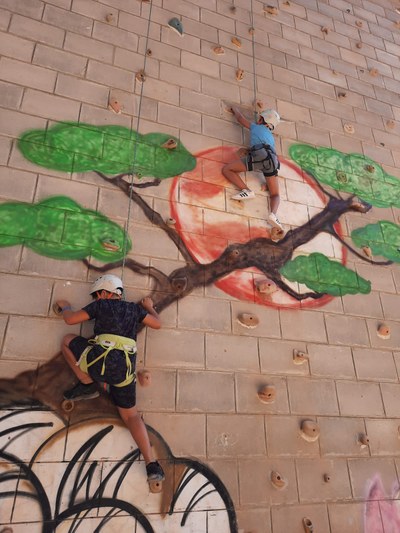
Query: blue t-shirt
point(116, 317)
point(260, 134)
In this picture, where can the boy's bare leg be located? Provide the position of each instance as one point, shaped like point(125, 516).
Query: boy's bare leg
point(231, 173)
point(138, 430)
point(71, 360)
point(272, 184)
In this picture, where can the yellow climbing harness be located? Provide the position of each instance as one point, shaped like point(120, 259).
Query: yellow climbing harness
point(110, 342)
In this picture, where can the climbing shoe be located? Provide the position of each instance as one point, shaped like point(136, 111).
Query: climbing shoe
point(82, 392)
point(245, 194)
point(155, 472)
point(273, 220)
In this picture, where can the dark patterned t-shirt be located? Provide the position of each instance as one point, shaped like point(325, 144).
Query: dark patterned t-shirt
point(116, 317)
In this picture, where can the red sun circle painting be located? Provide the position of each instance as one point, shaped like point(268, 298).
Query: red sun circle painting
point(208, 221)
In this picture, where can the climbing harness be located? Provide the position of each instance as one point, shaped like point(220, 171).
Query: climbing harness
point(263, 157)
point(110, 342)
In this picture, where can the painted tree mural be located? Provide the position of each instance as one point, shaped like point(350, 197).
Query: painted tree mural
point(347, 182)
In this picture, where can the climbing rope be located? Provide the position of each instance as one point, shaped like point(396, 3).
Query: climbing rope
point(135, 148)
point(254, 60)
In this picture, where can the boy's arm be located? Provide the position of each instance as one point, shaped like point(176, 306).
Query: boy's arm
point(240, 118)
point(71, 317)
point(152, 320)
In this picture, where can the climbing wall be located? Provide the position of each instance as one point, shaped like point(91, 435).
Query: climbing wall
point(273, 402)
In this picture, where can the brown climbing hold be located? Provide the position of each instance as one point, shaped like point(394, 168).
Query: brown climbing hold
point(114, 105)
point(390, 124)
point(179, 284)
point(232, 9)
point(299, 358)
point(248, 320)
point(252, 31)
point(334, 72)
point(277, 234)
point(363, 440)
point(342, 95)
point(383, 332)
point(267, 394)
point(278, 481)
point(237, 42)
point(170, 221)
point(271, 10)
point(373, 72)
point(266, 286)
point(144, 377)
point(171, 144)
point(325, 29)
point(349, 128)
point(341, 176)
point(367, 251)
point(327, 478)
point(239, 74)
point(287, 3)
point(309, 430)
point(110, 17)
point(141, 76)
point(149, 52)
point(57, 309)
point(232, 256)
point(218, 50)
point(359, 45)
point(370, 168)
point(359, 23)
point(308, 525)
point(259, 104)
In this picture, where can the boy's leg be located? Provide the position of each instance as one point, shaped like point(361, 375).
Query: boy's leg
point(71, 360)
point(138, 430)
point(231, 173)
point(272, 184)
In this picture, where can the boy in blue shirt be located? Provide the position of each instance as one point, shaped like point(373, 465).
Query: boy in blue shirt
point(261, 157)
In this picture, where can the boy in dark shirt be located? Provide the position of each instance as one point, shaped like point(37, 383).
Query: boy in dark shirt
point(110, 356)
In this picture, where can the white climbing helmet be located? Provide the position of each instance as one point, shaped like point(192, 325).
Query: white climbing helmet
point(108, 283)
point(270, 117)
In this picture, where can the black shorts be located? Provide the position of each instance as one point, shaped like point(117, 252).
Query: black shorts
point(115, 371)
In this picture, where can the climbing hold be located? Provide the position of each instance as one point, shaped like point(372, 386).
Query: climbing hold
point(252, 31)
point(114, 105)
point(155, 486)
point(325, 30)
point(248, 320)
point(359, 45)
point(110, 17)
point(267, 394)
point(67, 405)
point(334, 72)
point(370, 168)
point(373, 72)
point(287, 3)
point(277, 234)
point(57, 309)
point(237, 42)
point(349, 128)
point(239, 74)
point(299, 358)
point(308, 525)
point(141, 76)
point(359, 23)
point(278, 481)
point(341, 176)
point(232, 255)
point(327, 478)
point(170, 221)
point(232, 9)
point(218, 50)
point(171, 144)
point(176, 25)
point(271, 10)
point(363, 440)
point(179, 284)
point(149, 52)
point(144, 377)
point(266, 286)
point(397, 10)
point(259, 104)
point(383, 331)
point(390, 124)
point(397, 23)
point(309, 430)
point(342, 95)
point(367, 251)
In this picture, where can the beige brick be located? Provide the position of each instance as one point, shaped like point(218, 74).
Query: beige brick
point(231, 353)
point(256, 520)
point(17, 185)
point(93, 9)
point(226, 470)
point(84, 194)
point(326, 122)
point(247, 401)
point(305, 326)
point(346, 330)
point(381, 278)
point(325, 47)
point(201, 102)
point(359, 398)
point(27, 75)
point(374, 365)
point(89, 47)
point(269, 320)
point(10, 95)
point(387, 344)
point(164, 382)
point(183, 8)
point(199, 64)
point(10, 369)
point(276, 357)
point(295, 112)
point(222, 129)
point(383, 436)
point(311, 135)
point(180, 118)
point(180, 77)
point(121, 79)
point(137, 26)
point(12, 123)
point(283, 45)
point(82, 90)
point(297, 36)
point(284, 440)
point(363, 305)
point(391, 397)
point(41, 340)
point(332, 77)
point(5, 17)
point(67, 20)
point(348, 429)
point(363, 472)
point(36, 295)
point(291, 518)
point(190, 43)
point(391, 306)
point(331, 361)
point(59, 60)
point(255, 487)
point(29, 8)
point(348, 517)
point(221, 89)
point(313, 487)
point(170, 348)
point(160, 90)
point(228, 436)
point(5, 148)
point(161, 51)
point(288, 77)
point(10, 259)
point(194, 313)
point(215, 20)
point(116, 36)
point(13, 46)
point(191, 392)
point(312, 397)
point(50, 106)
